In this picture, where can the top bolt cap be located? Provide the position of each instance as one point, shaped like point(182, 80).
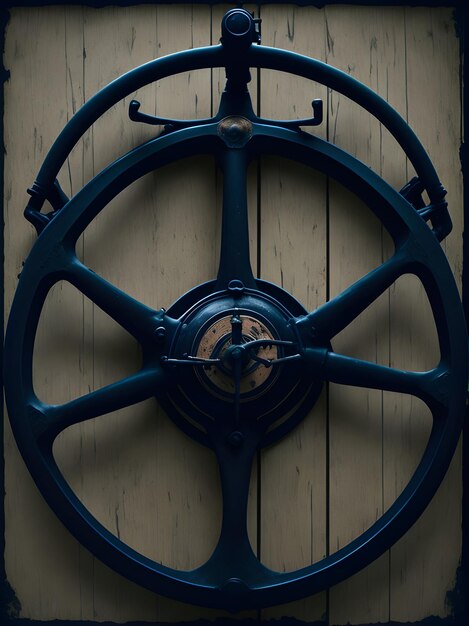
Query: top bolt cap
point(238, 23)
point(238, 28)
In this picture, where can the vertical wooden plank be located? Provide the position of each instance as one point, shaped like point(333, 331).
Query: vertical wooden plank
point(293, 255)
point(202, 225)
point(95, 477)
point(365, 43)
point(424, 562)
point(44, 51)
point(163, 485)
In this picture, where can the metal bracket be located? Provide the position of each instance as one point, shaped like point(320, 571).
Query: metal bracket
point(171, 124)
point(55, 195)
point(436, 212)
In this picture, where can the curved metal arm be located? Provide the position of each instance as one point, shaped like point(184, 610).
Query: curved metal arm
point(300, 65)
point(95, 107)
point(255, 56)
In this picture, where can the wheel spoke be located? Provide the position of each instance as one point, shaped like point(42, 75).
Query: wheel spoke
point(123, 393)
point(430, 386)
point(329, 319)
point(233, 557)
point(135, 317)
point(234, 255)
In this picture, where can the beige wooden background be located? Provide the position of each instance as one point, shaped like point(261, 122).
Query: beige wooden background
point(337, 472)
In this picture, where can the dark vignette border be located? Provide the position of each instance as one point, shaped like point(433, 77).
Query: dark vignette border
point(458, 598)
point(315, 3)
point(461, 599)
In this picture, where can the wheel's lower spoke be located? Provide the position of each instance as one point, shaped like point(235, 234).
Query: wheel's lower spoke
point(430, 386)
point(233, 556)
point(237, 373)
point(123, 393)
point(329, 319)
point(135, 317)
point(234, 254)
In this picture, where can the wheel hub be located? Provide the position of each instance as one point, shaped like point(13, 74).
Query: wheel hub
point(245, 326)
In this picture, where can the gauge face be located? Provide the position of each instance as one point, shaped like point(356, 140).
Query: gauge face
point(214, 344)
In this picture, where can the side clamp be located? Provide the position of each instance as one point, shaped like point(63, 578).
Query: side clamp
point(55, 195)
point(436, 212)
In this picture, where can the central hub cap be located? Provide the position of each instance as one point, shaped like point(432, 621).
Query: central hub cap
point(225, 383)
point(216, 342)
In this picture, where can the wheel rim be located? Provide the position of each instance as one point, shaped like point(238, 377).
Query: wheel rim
point(229, 580)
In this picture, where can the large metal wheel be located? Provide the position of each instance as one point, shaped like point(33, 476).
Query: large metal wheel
point(237, 362)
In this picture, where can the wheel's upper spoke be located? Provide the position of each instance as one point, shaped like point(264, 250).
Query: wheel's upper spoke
point(123, 393)
point(429, 386)
point(234, 254)
point(335, 315)
point(135, 317)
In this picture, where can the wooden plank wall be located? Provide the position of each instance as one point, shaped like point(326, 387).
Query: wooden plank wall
point(340, 469)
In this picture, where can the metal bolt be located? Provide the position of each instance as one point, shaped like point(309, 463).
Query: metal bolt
point(237, 353)
point(160, 333)
point(236, 439)
point(235, 131)
point(235, 287)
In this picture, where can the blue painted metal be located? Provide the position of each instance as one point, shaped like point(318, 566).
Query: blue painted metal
point(236, 424)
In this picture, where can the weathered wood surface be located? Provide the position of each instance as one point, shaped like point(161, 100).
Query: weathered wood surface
point(144, 480)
